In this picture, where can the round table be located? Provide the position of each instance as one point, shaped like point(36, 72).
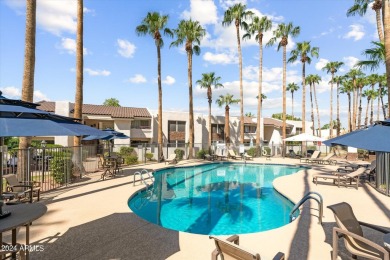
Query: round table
point(21, 215)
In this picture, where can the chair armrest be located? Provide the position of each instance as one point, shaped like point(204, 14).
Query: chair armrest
point(377, 228)
point(235, 239)
point(279, 256)
point(22, 186)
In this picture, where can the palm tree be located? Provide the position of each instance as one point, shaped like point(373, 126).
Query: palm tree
point(382, 92)
point(371, 95)
point(353, 75)
point(28, 73)
point(375, 55)
point(152, 24)
point(372, 80)
point(282, 32)
point(292, 87)
point(360, 8)
point(386, 24)
point(332, 67)
point(258, 27)
point(249, 114)
point(312, 80)
point(302, 51)
point(226, 100)
point(347, 88)
point(338, 80)
point(368, 96)
point(208, 80)
point(238, 14)
point(191, 33)
point(78, 104)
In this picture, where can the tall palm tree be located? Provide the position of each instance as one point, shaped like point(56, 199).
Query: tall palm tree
point(332, 67)
point(386, 25)
point(312, 80)
point(28, 72)
point(360, 8)
point(78, 104)
point(366, 94)
point(292, 87)
point(372, 80)
point(282, 32)
point(208, 80)
point(191, 33)
point(338, 80)
point(238, 14)
point(347, 88)
point(258, 27)
point(226, 101)
point(376, 57)
point(371, 95)
point(353, 75)
point(303, 51)
point(152, 24)
point(382, 92)
point(360, 84)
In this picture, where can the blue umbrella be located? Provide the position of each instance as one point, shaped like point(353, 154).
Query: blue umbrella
point(110, 135)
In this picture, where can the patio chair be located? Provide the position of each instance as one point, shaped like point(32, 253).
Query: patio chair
point(247, 156)
point(171, 159)
point(7, 250)
point(22, 190)
point(220, 156)
point(314, 155)
point(208, 157)
point(326, 160)
point(232, 154)
point(230, 249)
point(371, 170)
point(350, 229)
point(341, 177)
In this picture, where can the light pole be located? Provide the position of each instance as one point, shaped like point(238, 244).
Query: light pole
point(43, 145)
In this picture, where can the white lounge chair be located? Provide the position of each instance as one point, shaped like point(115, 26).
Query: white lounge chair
point(313, 156)
point(171, 159)
point(342, 177)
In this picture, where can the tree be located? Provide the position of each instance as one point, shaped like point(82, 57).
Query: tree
point(370, 95)
point(28, 71)
point(282, 32)
point(360, 8)
point(386, 24)
point(332, 67)
point(375, 55)
point(227, 100)
point(382, 92)
point(312, 80)
point(289, 117)
point(372, 80)
point(292, 87)
point(78, 104)
point(249, 114)
point(152, 24)
point(327, 126)
point(191, 33)
point(354, 74)
point(238, 14)
point(338, 80)
point(303, 51)
point(258, 27)
point(208, 80)
point(347, 88)
point(112, 102)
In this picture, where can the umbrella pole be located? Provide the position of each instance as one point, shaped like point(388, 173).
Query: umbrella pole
point(3, 214)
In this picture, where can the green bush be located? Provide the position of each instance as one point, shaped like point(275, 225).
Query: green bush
point(179, 154)
point(59, 168)
point(252, 151)
point(125, 150)
point(131, 159)
point(200, 154)
point(149, 156)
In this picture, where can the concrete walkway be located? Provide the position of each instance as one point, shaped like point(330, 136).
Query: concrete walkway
point(91, 220)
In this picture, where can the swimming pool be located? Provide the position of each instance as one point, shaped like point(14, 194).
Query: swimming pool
point(216, 199)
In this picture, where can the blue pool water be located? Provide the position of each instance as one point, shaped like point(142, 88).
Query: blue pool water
point(216, 199)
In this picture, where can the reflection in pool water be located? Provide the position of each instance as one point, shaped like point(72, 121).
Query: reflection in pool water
point(216, 199)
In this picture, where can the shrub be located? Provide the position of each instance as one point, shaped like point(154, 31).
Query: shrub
point(252, 151)
point(59, 168)
point(179, 154)
point(200, 154)
point(131, 159)
point(149, 156)
point(126, 150)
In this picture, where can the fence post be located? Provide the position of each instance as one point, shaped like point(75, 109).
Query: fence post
point(81, 161)
point(28, 163)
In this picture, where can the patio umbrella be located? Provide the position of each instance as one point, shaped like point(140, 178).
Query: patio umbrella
point(304, 137)
point(110, 134)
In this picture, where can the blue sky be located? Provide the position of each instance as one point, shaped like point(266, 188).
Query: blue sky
point(122, 65)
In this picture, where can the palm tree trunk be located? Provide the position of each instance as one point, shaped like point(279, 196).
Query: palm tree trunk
point(241, 87)
point(381, 99)
point(28, 76)
point(378, 109)
point(372, 111)
point(227, 127)
point(318, 111)
point(386, 23)
point(292, 104)
point(366, 119)
point(331, 109)
point(210, 133)
point(354, 114)
point(349, 113)
point(284, 93)
point(338, 109)
point(312, 109)
point(78, 113)
point(259, 103)
point(191, 107)
point(360, 107)
point(160, 132)
point(303, 99)
point(379, 24)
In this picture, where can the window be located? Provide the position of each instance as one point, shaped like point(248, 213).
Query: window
point(298, 130)
point(250, 129)
point(176, 133)
point(140, 124)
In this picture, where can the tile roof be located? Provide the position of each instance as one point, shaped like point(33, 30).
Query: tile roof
point(115, 112)
point(275, 122)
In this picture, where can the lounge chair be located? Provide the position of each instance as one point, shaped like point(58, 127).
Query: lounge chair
point(341, 177)
point(247, 156)
point(171, 159)
point(22, 190)
point(314, 155)
point(220, 156)
point(371, 170)
point(208, 157)
point(350, 229)
point(230, 249)
point(232, 154)
point(325, 160)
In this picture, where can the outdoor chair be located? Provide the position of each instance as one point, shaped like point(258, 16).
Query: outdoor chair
point(22, 190)
point(171, 159)
point(326, 160)
point(208, 157)
point(314, 155)
point(220, 156)
point(371, 170)
point(247, 156)
point(349, 228)
point(232, 154)
point(230, 249)
point(7, 250)
point(109, 167)
point(341, 177)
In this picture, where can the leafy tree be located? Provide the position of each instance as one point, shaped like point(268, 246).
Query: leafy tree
point(238, 14)
point(152, 24)
point(288, 117)
point(190, 33)
point(353, 75)
point(112, 102)
point(249, 114)
point(227, 100)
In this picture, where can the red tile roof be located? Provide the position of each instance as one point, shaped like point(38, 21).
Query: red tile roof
point(115, 112)
point(275, 122)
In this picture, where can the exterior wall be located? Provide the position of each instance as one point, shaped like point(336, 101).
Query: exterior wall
point(62, 108)
point(123, 126)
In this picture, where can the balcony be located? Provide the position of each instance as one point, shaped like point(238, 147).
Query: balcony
point(141, 133)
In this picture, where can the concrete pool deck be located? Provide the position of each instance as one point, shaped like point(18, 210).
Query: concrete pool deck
point(91, 220)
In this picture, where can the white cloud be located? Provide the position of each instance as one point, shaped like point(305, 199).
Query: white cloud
point(350, 61)
point(92, 72)
point(321, 63)
point(204, 11)
point(221, 58)
point(16, 93)
point(38, 96)
point(169, 80)
point(126, 48)
point(225, 4)
point(356, 32)
point(137, 78)
point(69, 45)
